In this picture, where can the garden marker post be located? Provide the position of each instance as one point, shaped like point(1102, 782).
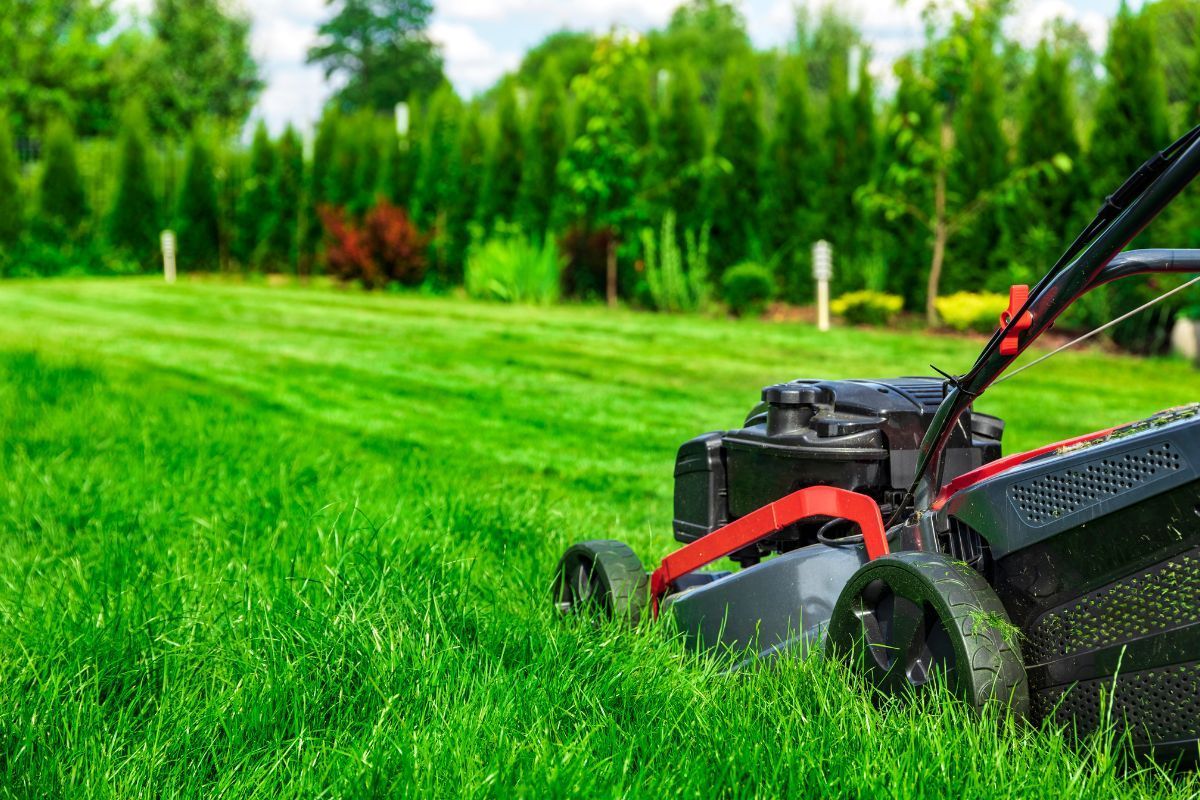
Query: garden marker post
point(822, 257)
point(168, 253)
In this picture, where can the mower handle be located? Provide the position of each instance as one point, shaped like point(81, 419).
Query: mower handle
point(1098, 263)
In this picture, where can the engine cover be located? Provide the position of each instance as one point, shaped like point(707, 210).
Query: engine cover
point(860, 435)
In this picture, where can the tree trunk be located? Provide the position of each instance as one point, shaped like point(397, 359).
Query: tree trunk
point(611, 273)
point(939, 228)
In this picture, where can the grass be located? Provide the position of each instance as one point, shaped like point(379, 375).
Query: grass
point(298, 543)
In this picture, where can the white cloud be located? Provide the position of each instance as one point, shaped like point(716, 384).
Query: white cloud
point(472, 63)
point(555, 13)
point(1032, 20)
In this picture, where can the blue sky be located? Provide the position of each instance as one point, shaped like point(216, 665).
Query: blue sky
point(483, 38)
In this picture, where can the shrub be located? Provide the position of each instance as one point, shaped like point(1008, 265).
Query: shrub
point(12, 212)
point(133, 218)
point(747, 288)
point(386, 247)
point(515, 269)
point(197, 215)
point(62, 202)
point(672, 286)
point(969, 311)
point(867, 307)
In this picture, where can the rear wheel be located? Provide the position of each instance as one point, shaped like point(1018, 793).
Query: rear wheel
point(908, 617)
point(602, 577)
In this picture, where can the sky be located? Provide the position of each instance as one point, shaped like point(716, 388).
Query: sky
point(481, 39)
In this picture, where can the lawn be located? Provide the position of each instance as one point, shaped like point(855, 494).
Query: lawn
point(287, 542)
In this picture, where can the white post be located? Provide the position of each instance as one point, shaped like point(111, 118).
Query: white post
point(168, 253)
point(402, 119)
point(822, 257)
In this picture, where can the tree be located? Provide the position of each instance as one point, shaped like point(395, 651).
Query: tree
point(545, 140)
point(792, 181)
point(62, 200)
point(851, 144)
point(735, 189)
point(12, 212)
point(133, 219)
point(258, 204)
point(285, 242)
point(319, 189)
point(198, 65)
point(472, 158)
point(381, 51)
point(438, 180)
point(503, 177)
point(197, 214)
point(570, 53)
point(707, 34)
point(680, 148)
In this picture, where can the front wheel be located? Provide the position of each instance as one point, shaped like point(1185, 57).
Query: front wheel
point(905, 618)
point(602, 577)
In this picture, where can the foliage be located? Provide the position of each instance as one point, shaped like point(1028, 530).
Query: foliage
point(12, 207)
point(867, 307)
point(385, 247)
point(133, 219)
point(565, 52)
point(676, 280)
point(289, 196)
point(735, 190)
point(502, 183)
point(680, 144)
point(515, 268)
point(197, 214)
point(971, 311)
point(747, 288)
point(62, 202)
point(545, 141)
point(258, 204)
point(439, 181)
point(707, 34)
point(381, 50)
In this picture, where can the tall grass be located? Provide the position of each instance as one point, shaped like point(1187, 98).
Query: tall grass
point(515, 268)
point(298, 543)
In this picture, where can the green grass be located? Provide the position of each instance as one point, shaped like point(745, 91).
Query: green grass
point(297, 543)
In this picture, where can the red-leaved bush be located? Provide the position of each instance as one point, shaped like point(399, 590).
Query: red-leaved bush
point(384, 247)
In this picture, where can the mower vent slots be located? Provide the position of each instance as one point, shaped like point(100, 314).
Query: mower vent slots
point(1157, 600)
point(1155, 705)
point(1051, 497)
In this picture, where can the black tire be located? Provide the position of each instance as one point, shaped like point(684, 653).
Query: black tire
point(602, 576)
point(905, 616)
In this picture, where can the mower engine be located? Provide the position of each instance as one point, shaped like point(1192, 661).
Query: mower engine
point(859, 435)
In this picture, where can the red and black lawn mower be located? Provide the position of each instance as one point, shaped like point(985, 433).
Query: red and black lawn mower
point(1045, 580)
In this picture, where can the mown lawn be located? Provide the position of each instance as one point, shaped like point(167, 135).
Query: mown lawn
point(297, 543)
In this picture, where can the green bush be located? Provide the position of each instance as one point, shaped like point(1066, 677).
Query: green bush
point(12, 211)
point(747, 288)
point(970, 311)
point(515, 269)
point(62, 202)
point(867, 307)
point(676, 280)
point(197, 215)
point(133, 219)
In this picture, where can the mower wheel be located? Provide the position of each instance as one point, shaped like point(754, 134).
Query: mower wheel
point(603, 576)
point(906, 617)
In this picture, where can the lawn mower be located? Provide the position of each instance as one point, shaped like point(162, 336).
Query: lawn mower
point(877, 519)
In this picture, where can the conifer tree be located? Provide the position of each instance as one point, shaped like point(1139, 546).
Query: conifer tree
point(133, 222)
point(197, 215)
point(681, 142)
point(12, 211)
point(545, 141)
point(438, 180)
point(734, 191)
point(257, 208)
point(62, 203)
point(408, 161)
point(792, 180)
point(472, 157)
point(503, 180)
point(285, 242)
point(318, 184)
point(841, 163)
point(368, 161)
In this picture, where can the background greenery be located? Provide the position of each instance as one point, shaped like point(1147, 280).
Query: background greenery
point(264, 542)
point(970, 172)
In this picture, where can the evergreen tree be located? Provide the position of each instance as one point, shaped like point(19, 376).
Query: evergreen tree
point(734, 190)
point(438, 180)
point(285, 242)
point(545, 141)
point(841, 163)
point(791, 215)
point(257, 207)
point(62, 201)
point(472, 158)
point(982, 163)
point(408, 161)
point(364, 187)
point(503, 180)
point(319, 187)
point(680, 149)
point(1131, 114)
point(133, 222)
point(12, 212)
point(197, 215)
